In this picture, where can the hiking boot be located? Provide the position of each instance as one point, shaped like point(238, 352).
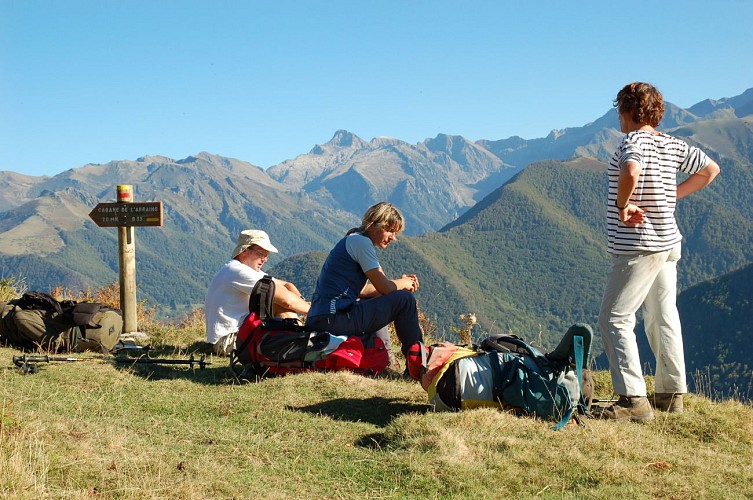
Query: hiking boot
point(633, 408)
point(667, 401)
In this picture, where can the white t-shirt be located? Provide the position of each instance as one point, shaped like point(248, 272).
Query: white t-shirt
point(226, 303)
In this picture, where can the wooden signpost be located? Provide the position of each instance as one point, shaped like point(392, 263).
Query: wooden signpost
point(125, 215)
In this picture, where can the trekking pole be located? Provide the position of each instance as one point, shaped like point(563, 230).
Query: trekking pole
point(30, 364)
point(146, 359)
point(201, 362)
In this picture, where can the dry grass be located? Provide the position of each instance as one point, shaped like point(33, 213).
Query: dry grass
point(465, 332)
point(95, 429)
point(195, 319)
point(103, 430)
point(12, 288)
point(109, 295)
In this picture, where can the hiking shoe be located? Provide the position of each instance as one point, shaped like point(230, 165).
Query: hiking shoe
point(635, 409)
point(667, 401)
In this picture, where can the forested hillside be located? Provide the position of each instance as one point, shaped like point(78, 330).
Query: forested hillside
point(717, 325)
point(531, 257)
point(717, 318)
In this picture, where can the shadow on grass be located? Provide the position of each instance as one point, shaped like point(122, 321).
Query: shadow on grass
point(375, 441)
point(170, 363)
point(378, 411)
point(162, 363)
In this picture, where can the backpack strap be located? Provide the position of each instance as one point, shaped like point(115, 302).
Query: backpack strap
point(261, 298)
point(579, 351)
point(564, 420)
point(83, 312)
point(39, 300)
point(507, 343)
point(496, 375)
point(578, 348)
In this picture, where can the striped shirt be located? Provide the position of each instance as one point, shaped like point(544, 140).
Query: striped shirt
point(660, 157)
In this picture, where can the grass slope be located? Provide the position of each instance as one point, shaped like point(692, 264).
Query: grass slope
point(77, 430)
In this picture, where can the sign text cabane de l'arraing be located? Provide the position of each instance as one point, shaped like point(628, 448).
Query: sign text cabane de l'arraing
point(127, 214)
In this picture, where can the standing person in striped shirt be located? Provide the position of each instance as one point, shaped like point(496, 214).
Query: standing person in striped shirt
point(644, 241)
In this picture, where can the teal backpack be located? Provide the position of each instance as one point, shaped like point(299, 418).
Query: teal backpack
point(506, 372)
point(549, 385)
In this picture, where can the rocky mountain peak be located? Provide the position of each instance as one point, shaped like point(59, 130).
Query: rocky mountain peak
point(154, 159)
point(345, 139)
point(740, 105)
point(386, 141)
point(341, 140)
point(207, 157)
point(444, 142)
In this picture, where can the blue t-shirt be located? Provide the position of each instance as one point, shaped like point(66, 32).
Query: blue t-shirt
point(343, 275)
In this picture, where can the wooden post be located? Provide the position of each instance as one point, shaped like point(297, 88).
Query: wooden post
point(127, 260)
point(125, 215)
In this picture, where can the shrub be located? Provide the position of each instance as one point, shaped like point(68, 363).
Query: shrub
point(109, 295)
point(12, 288)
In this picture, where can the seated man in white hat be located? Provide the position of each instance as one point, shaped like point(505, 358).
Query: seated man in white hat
point(226, 303)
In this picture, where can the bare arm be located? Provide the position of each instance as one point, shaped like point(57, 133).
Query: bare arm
point(380, 284)
point(698, 180)
point(289, 298)
point(630, 214)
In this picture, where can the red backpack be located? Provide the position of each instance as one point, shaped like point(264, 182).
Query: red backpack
point(269, 346)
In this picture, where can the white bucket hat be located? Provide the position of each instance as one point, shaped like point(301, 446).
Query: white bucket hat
point(250, 237)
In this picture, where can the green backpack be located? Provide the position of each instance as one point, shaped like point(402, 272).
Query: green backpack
point(37, 321)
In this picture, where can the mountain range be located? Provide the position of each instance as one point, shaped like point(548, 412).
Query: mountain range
point(512, 230)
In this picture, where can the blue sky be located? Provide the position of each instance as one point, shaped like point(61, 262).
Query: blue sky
point(94, 81)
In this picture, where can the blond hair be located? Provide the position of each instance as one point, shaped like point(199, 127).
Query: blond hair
point(384, 215)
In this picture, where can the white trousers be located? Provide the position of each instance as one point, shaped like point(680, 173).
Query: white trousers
point(650, 280)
